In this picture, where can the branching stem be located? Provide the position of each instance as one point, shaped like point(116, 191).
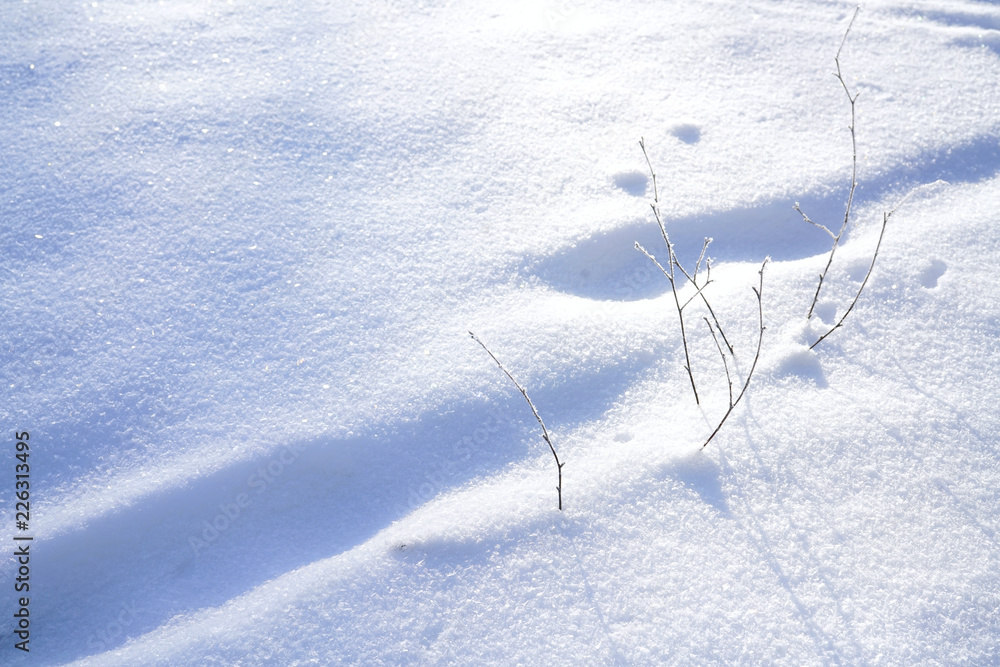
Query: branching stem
point(680, 314)
point(693, 279)
point(758, 291)
point(885, 221)
point(854, 174)
point(668, 271)
point(698, 293)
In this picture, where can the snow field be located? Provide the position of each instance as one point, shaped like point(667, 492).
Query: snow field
point(244, 244)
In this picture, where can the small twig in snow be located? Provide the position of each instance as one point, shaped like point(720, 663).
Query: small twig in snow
point(854, 173)
point(701, 257)
point(758, 291)
point(885, 221)
point(680, 310)
point(545, 432)
point(729, 379)
point(878, 244)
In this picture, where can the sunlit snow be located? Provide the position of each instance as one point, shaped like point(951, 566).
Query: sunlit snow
point(243, 244)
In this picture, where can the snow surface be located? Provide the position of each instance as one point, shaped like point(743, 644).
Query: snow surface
point(243, 244)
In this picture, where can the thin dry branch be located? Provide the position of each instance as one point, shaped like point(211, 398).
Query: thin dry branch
point(758, 291)
point(680, 312)
point(693, 279)
point(545, 432)
point(811, 222)
point(656, 208)
point(854, 173)
point(729, 378)
point(885, 221)
point(696, 294)
point(711, 311)
point(672, 262)
point(871, 267)
point(642, 145)
point(701, 257)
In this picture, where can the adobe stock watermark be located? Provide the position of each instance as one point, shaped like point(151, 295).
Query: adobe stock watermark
point(462, 450)
point(230, 512)
point(114, 631)
point(560, 12)
point(637, 281)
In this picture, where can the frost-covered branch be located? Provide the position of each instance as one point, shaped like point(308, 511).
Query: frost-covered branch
point(758, 291)
point(545, 431)
point(871, 267)
point(668, 271)
point(725, 364)
point(680, 311)
point(854, 174)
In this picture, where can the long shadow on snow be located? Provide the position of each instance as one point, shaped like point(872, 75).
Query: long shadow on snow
point(187, 548)
point(607, 266)
point(984, 26)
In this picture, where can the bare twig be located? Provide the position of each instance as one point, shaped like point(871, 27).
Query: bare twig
point(806, 218)
point(711, 311)
point(701, 257)
point(718, 326)
point(642, 145)
point(758, 291)
point(697, 293)
point(850, 201)
point(656, 210)
point(675, 262)
point(669, 273)
point(680, 310)
point(854, 173)
point(704, 299)
point(638, 246)
point(878, 244)
point(885, 221)
point(545, 432)
point(729, 378)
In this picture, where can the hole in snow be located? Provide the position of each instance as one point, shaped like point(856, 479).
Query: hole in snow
point(689, 133)
point(633, 182)
point(826, 312)
point(930, 275)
